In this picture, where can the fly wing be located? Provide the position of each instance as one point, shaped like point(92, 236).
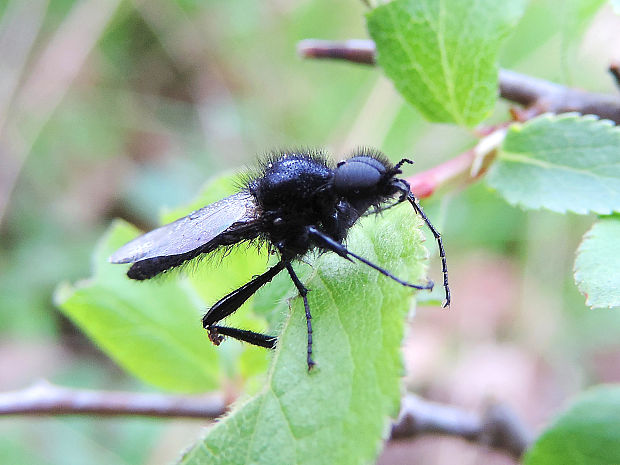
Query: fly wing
point(190, 232)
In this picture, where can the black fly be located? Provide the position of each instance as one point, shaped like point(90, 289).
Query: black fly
point(299, 202)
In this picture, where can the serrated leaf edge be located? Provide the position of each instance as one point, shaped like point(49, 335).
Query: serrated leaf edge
point(519, 127)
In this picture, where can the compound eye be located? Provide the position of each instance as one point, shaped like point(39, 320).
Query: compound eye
point(357, 177)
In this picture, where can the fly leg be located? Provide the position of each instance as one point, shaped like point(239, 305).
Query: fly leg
point(231, 303)
point(326, 242)
point(217, 333)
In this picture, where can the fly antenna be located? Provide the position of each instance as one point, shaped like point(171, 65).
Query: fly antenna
point(397, 166)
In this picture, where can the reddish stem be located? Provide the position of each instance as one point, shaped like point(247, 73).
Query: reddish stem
point(424, 184)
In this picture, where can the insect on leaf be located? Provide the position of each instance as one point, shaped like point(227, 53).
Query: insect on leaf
point(339, 411)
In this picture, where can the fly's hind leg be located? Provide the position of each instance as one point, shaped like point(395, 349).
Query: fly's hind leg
point(231, 303)
point(217, 333)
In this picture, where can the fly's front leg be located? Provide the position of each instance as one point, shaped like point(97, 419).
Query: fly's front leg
point(330, 244)
point(442, 253)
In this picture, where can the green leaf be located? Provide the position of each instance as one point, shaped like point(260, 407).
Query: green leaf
point(338, 412)
point(152, 329)
point(442, 54)
point(561, 163)
point(588, 433)
point(597, 267)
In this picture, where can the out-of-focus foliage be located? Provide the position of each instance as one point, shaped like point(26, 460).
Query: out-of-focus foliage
point(587, 432)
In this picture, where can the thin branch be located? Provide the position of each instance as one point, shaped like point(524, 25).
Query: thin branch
point(546, 96)
point(537, 95)
point(355, 50)
point(499, 428)
point(44, 398)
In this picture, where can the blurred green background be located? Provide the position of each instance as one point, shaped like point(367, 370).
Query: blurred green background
point(123, 108)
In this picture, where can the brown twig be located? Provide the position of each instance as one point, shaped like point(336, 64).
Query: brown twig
point(498, 428)
point(537, 95)
point(545, 96)
point(43, 398)
point(356, 50)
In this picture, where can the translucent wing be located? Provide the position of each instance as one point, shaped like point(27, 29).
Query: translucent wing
point(190, 232)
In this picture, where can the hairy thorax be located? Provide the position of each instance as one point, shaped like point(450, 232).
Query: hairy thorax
point(292, 195)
